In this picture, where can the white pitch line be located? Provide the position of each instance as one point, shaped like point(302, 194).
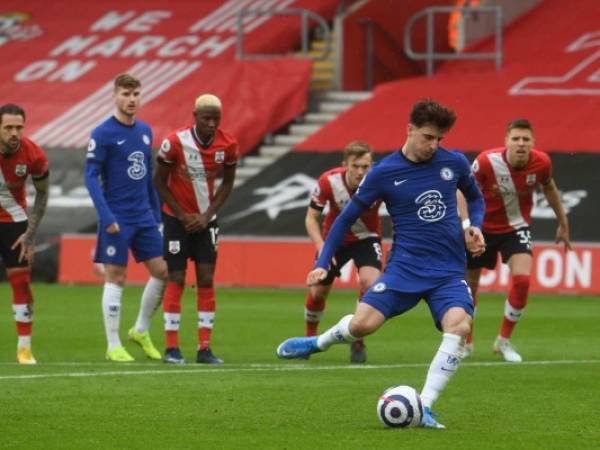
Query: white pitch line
point(278, 368)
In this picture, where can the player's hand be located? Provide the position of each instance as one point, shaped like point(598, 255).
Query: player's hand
point(27, 250)
point(562, 235)
point(192, 222)
point(113, 228)
point(315, 276)
point(474, 241)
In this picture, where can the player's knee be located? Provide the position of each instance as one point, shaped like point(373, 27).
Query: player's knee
point(177, 277)
point(365, 283)
point(457, 321)
point(361, 326)
point(205, 280)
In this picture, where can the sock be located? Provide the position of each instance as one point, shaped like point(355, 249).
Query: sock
point(151, 297)
point(514, 305)
point(313, 311)
point(111, 310)
point(442, 367)
point(469, 338)
point(337, 334)
point(172, 313)
point(206, 315)
point(20, 283)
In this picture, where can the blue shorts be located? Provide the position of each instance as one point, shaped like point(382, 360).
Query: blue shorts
point(391, 301)
point(145, 242)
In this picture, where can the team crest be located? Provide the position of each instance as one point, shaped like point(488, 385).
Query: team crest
point(20, 170)
point(379, 287)
point(146, 139)
point(446, 173)
point(531, 179)
point(219, 156)
point(174, 247)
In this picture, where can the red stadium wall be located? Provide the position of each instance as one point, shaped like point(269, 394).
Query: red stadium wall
point(390, 17)
point(285, 263)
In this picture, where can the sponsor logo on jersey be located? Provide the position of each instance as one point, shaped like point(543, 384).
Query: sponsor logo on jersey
point(20, 170)
point(174, 247)
point(433, 207)
point(165, 146)
point(475, 166)
point(220, 156)
point(91, 145)
point(446, 173)
point(531, 179)
point(146, 139)
point(399, 182)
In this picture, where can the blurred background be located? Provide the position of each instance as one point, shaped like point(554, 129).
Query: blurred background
point(299, 79)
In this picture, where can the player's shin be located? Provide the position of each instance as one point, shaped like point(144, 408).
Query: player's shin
point(111, 311)
point(442, 367)
point(206, 316)
point(337, 334)
point(313, 311)
point(172, 313)
point(515, 304)
point(22, 306)
point(151, 298)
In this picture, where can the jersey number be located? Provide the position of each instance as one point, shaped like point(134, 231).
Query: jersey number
point(137, 169)
point(524, 237)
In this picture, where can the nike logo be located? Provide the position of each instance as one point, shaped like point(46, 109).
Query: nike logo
point(398, 183)
point(121, 142)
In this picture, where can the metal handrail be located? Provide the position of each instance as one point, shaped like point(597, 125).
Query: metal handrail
point(431, 55)
point(305, 15)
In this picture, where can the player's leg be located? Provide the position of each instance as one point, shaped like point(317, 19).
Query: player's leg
point(205, 256)
point(452, 309)
point(520, 270)
point(473, 276)
point(176, 245)
point(315, 306)
point(147, 248)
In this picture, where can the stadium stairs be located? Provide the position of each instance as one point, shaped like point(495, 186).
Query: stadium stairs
point(325, 104)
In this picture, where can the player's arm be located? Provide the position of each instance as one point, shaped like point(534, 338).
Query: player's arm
point(221, 195)
point(471, 206)
point(312, 222)
point(27, 239)
point(153, 195)
point(93, 172)
point(553, 196)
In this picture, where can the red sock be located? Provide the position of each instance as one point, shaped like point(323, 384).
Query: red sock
point(172, 313)
point(206, 315)
point(20, 283)
point(516, 302)
point(314, 310)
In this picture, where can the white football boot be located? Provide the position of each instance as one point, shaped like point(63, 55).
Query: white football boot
point(505, 348)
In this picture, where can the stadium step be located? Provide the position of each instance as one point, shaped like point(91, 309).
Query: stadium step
point(335, 107)
point(305, 129)
point(321, 117)
point(288, 139)
point(274, 151)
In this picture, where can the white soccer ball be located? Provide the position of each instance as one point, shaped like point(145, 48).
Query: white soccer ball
point(400, 407)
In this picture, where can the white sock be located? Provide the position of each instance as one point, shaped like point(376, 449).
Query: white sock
point(444, 364)
point(111, 309)
point(151, 298)
point(24, 341)
point(337, 334)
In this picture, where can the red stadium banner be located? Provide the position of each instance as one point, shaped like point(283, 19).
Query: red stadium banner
point(253, 262)
point(59, 59)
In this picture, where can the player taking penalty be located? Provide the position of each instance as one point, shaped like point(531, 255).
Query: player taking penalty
point(20, 158)
point(418, 184)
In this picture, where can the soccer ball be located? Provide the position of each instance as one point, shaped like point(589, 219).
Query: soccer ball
point(400, 407)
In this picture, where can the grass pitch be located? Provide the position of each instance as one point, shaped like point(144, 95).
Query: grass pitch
point(75, 399)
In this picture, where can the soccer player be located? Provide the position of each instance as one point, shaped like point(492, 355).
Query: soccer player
point(189, 161)
point(508, 177)
point(418, 184)
point(362, 243)
point(20, 158)
point(118, 176)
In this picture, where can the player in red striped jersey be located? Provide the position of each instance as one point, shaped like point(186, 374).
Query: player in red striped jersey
point(19, 158)
point(189, 162)
point(362, 244)
point(508, 177)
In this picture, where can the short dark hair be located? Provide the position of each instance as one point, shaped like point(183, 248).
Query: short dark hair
point(11, 108)
point(127, 81)
point(519, 123)
point(428, 111)
point(357, 149)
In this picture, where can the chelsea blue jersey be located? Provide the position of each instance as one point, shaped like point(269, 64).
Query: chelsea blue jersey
point(428, 246)
point(119, 173)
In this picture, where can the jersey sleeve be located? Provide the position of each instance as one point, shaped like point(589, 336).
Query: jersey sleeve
point(95, 159)
point(468, 186)
point(169, 150)
point(232, 154)
point(478, 168)
point(320, 194)
point(39, 165)
point(369, 189)
point(546, 172)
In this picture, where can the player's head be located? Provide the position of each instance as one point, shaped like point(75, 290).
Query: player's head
point(429, 121)
point(12, 124)
point(519, 141)
point(358, 159)
point(126, 95)
point(207, 113)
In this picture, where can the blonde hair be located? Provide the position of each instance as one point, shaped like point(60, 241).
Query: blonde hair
point(207, 100)
point(357, 149)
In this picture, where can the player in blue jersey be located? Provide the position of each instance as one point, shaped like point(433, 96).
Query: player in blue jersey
point(119, 178)
point(418, 184)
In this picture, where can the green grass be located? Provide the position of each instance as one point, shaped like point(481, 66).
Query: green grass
point(74, 399)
